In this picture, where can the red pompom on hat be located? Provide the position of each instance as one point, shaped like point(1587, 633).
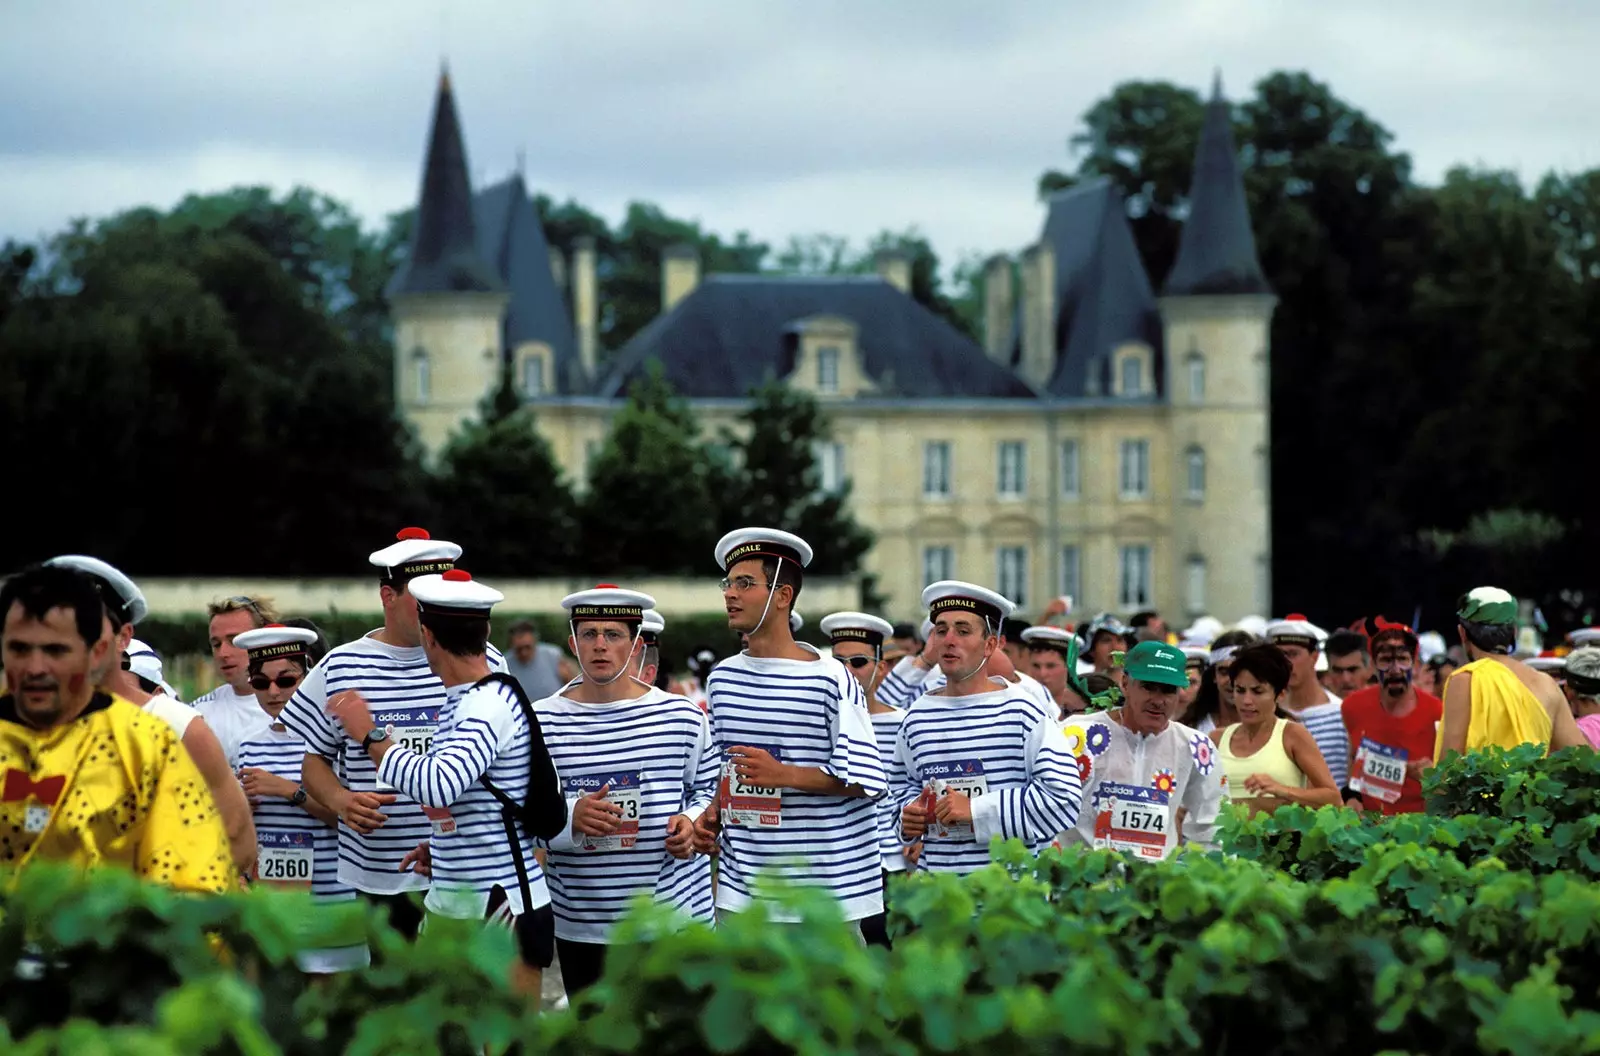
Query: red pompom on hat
point(606, 586)
point(458, 575)
point(406, 535)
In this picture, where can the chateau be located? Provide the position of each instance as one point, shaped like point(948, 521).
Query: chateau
point(1102, 442)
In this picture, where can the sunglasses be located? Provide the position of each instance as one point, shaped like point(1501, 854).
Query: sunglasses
point(263, 683)
point(858, 662)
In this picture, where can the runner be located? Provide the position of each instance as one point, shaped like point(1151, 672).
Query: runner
point(1307, 700)
point(90, 779)
point(801, 765)
point(1391, 726)
point(1349, 664)
point(125, 606)
point(298, 838)
point(858, 641)
point(981, 759)
point(483, 776)
point(1149, 783)
point(1053, 656)
point(1268, 759)
point(904, 682)
point(231, 708)
point(638, 768)
point(1101, 637)
point(390, 668)
point(1495, 699)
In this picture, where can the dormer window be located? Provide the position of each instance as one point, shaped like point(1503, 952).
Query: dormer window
point(422, 375)
point(827, 357)
point(532, 381)
point(1132, 375)
point(828, 369)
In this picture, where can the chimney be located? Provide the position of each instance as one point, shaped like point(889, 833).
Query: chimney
point(586, 304)
point(894, 267)
point(1038, 314)
point(999, 305)
point(558, 268)
point(680, 274)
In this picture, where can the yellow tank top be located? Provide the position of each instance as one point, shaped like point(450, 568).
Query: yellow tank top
point(1270, 759)
point(1505, 713)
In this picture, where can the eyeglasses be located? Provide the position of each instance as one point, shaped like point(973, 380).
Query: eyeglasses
point(858, 662)
point(744, 583)
point(262, 683)
point(611, 636)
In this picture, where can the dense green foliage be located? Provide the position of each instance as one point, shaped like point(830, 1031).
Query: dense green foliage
point(1425, 937)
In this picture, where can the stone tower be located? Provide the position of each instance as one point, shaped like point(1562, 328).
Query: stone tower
point(448, 301)
point(1216, 310)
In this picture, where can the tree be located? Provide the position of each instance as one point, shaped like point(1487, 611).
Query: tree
point(777, 482)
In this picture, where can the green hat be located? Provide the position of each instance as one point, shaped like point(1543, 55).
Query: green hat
point(1157, 662)
point(1488, 605)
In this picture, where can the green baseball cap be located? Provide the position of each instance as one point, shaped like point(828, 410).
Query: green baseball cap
point(1487, 605)
point(1157, 662)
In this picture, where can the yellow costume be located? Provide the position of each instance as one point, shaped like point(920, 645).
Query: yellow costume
point(114, 787)
point(1505, 713)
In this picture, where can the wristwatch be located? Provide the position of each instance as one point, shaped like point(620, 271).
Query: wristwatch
point(378, 733)
point(298, 799)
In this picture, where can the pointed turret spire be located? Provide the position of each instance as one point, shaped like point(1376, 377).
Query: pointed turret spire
point(444, 254)
point(1217, 250)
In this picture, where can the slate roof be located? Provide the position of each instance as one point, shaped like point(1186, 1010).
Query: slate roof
point(511, 238)
point(1217, 249)
point(1103, 296)
point(735, 331)
point(444, 255)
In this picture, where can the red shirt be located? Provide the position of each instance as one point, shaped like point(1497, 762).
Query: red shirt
point(1413, 733)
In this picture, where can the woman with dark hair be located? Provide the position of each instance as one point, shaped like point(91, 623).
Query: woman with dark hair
point(1213, 704)
point(1269, 760)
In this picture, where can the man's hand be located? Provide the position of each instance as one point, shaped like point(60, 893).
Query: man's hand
point(1416, 767)
point(351, 711)
point(756, 766)
point(913, 821)
point(362, 811)
point(680, 836)
point(706, 829)
point(928, 659)
point(418, 860)
point(259, 784)
point(594, 815)
point(912, 853)
point(954, 807)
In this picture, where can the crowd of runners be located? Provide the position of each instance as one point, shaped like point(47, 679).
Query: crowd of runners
point(411, 769)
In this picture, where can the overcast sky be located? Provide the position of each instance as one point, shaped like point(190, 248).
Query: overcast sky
point(773, 116)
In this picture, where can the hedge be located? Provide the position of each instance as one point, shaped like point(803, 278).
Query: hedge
point(1413, 935)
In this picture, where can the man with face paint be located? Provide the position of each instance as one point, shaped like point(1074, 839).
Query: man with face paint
point(981, 759)
point(800, 762)
point(1391, 726)
point(637, 767)
point(89, 778)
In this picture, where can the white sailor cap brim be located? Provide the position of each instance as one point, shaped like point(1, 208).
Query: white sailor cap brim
point(796, 621)
point(1047, 637)
point(856, 627)
point(1295, 630)
point(145, 662)
point(742, 544)
point(952, 595)
point(1550, 665)
point(275, 642)
point(454, 593)
point(415, 553)
point(1196, 652)
point(652, 624)
point(1585, 636)
point(607, 602)
point(120, 593)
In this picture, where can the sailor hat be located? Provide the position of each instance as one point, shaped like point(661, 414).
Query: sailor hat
point(796, 621)
point(741, 544)
point(146, 663)
point(650, 627)
point(276, 642)
point(856, 627)
point(122, 598)
point(608, 602)
point(415, 553)
point(952, 595)
point(1295, 629)
point(1045, 637)
point(1585, 636)
point(454, 593)
point(1550, 665)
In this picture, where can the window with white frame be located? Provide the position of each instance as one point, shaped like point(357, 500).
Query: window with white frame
point(1195, 585)
point(1134, 469)
point(1011, 573)
point(828, 369)
point(1013, 480)
point(938, 562)
point(1071, 573)
point(1132, 368)
point(533, 375)
point(1071, 481)
point(936, 468)
point(1195, 364)
point(422, 375)
point(1133, 589)
point(830, 467)
point(1194, 473)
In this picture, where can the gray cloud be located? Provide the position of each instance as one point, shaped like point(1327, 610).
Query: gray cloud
point(777, 117)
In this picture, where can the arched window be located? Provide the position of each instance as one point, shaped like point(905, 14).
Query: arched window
point(422, 374)
point(1195, 473)
point(1195, 364)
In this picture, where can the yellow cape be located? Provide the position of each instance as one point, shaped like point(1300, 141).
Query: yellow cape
point(1505, 713)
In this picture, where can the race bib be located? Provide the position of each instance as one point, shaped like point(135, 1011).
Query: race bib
point(626, 792)
point(441, 819)
point(1133, 819)
point(966, 777)
point(284, 859)
point(412, 727)
point(753, 806)
point(1383, 770)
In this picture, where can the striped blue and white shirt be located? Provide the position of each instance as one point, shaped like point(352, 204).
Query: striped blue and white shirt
point(1008, 753)
point(886, 727)
point(807, 714)
point(403, 692)
point(1325, 723)
point(655, 753)
point(903, 684)
point(482, 730)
